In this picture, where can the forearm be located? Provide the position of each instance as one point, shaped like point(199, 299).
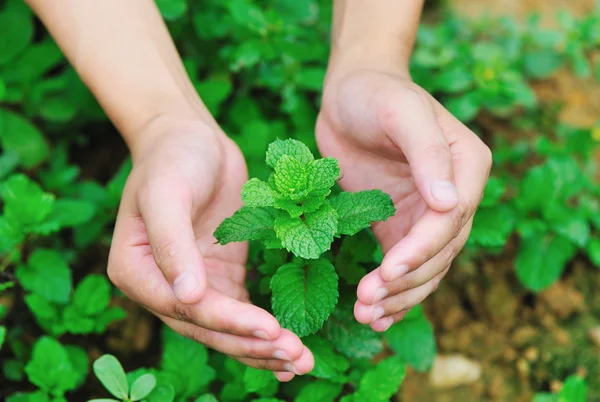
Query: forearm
point(124, 54)
point(374, 34)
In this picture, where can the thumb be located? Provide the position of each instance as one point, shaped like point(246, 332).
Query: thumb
point(410, 122)
point(173, 243)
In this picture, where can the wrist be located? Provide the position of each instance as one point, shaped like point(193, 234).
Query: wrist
point(191, 118)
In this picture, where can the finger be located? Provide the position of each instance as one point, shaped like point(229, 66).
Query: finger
point(300, 366)
point(287, 347)
point(372, 288)
point(385, 323)
point(167, 216)
point(434, 230)
point(409, 120)
point(221, 313)
point(366, 314)
point(284, 376)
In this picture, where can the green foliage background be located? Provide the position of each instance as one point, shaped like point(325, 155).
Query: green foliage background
point(260, 71)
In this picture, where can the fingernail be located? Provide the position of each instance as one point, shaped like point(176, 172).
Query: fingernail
point(397, 271)
point(378, 313)
point(281, 355)
point(185, 284)
point(261, 334)
point(444, 191)
point(380, 294)
point(290, 367)
point(388, 323)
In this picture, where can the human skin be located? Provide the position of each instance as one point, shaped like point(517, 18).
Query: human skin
point(187, 173)
point(389, 133)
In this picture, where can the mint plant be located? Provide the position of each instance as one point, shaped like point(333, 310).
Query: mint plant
point(295, 210)
point(111, 374)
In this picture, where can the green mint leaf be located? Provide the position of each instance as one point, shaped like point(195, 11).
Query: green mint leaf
point(25, 203)
point(290, 177)
point(593, 251)
point(381, 382)
point(304, 295)
point(261, 382)
point(76, 323)
point(492, 226)
point(80, 363)
point(46, 314)
point(349, 337)
point(308, 236)
point(9, 161)
point(355, 251)
point(22, 137)
point(573, 390)
point(247, 224)
point(172, 9)
point(111, 374)
point(142, 387)
point(319, 391)
point(69, 213)
point(289, 147)
point(47, 275)
point(50, 368)
point(92, 295)
point(322, 174)
point(541, 260)
point(10, 234)
point(2, 336)
point(413, 340)
point(356, 211)
point(257, 193)
point(17, 32)
point(106, 317)
point(494, 190)
point(206, 398)
point(328, 364)
point(179, 352)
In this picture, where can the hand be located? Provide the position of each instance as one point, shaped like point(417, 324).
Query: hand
point(186, 179)
point(389, 133)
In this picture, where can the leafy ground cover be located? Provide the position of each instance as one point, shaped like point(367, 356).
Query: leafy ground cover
point(521, 298)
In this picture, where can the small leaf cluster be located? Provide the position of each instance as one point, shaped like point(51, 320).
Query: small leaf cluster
point(294, 210)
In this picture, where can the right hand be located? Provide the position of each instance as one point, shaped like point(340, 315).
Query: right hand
point(186, 179)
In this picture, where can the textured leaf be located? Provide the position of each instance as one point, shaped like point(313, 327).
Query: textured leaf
point(290, 147)
point(257, 193)
point(25, 202)
point(111, 374)
point(142, 387)
point(541, 260)
point(356, 211)
point(304, 295)
point(92, 295)
point(413, 340)
point(22, 137)
point(319, 391)
point(261, 382)
point(349, 337)
point(382, 382)
point(290, 177)
point(322, 175)
point(310, 236)
point(328, 364)
point(247, 224)
point(179, 352)
point(47, 275)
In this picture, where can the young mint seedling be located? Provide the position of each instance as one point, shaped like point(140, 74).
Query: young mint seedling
point(295, 210)
point(111, 374)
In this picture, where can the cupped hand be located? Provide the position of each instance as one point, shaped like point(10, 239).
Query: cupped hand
point(389, 133)
point(186, 179)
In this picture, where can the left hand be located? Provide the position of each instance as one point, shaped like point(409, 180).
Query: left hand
point(389, 133)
